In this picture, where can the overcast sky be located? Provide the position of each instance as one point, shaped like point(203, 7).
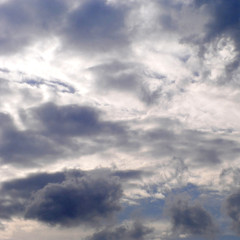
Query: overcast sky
point(119, 119)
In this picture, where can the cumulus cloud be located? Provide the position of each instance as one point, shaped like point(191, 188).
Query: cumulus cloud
point(63, 198)
point(191, 219)
point(88, 200)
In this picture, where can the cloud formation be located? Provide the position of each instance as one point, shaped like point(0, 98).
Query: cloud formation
point(63, 198)
point(95, 26)
point(148, 89)
point(30, 22)
point(191, 219)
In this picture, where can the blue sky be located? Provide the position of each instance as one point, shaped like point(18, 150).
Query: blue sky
point(119, 119)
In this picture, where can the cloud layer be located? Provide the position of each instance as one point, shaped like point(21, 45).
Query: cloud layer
point(109, 109)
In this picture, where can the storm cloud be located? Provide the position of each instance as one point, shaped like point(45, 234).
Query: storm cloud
point(63, 198)
point(88, 200)
point(191, 219)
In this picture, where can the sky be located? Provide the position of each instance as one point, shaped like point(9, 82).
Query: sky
point(119, 119)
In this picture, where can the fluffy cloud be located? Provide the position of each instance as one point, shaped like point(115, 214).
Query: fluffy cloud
point(63, 198)
point(191, 219)
point(88, 200)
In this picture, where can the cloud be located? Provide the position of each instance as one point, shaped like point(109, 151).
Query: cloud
point(124, 77)
point(15, 193)
point(25, 22)
point(232, 208)
point(54, 84)
point(202, 148)
point(87, 200)
point(144, 87)
point(23, 187)
point(221, 31)
point(73, 120)
point(95, 26)
point(55, 132)
point(136, 231)
point(229, 178)
point(22, 147)
point(224, 18)
point(50, 134)
point(63, 198)
point(191, 219)
point(87, 26)
point(70, 120)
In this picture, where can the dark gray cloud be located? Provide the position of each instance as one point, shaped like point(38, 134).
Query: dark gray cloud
point(224, 18)
point(24, 187)
point(64, 198)
point(191, 219)
point(24, 22)
point(125, 77)
point(136, 231)
point(224, 23)
point(73, 120)
point(50, 134)
point(232, 208)
point(17, 145)
point(130, 174)
point(95, 26)
point(202, 148)
point(16, 193)
point(89, 199)
point(24, 147)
